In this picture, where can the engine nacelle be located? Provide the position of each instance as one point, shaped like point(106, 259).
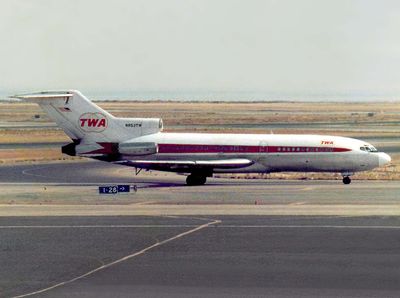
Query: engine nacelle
point(110, 149)
point(90, 149)
point(152, 125)
point(137, 149)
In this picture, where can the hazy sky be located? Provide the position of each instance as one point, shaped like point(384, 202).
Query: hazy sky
point(299, 46)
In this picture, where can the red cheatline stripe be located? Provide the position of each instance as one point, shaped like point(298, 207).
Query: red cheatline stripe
point(109, 148)
point(199, 148)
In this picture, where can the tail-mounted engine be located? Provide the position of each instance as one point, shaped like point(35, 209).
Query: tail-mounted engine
point(110, 150)
point(137, 149)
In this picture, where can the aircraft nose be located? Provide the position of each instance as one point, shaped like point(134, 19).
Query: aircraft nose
point(384, 159)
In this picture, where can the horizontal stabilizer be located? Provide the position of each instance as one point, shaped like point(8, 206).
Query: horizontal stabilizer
point(42, 96)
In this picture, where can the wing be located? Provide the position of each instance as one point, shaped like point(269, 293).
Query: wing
point(187, 165)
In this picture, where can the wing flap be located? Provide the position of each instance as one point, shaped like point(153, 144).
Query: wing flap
point(227, 163)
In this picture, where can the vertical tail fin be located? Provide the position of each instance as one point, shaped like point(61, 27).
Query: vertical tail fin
point(82, 120)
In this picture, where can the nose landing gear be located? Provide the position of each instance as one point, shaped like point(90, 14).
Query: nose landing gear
point(346, 177)
point(346, 180)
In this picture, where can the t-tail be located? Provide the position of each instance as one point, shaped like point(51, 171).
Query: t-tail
point(94, 131)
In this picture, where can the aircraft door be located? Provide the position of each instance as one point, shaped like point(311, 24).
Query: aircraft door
point(263, 147)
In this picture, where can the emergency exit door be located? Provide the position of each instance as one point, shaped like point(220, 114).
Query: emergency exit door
point(263, 146)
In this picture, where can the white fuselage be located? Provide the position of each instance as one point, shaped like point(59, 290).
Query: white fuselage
point(269, 152)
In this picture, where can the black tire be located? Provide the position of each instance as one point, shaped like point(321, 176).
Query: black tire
point(346, 180)
point(195, 180)
point(202, 180)
point(189, 180)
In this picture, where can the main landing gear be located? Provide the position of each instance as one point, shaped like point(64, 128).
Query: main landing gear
point(196, 179)
point(346, 180)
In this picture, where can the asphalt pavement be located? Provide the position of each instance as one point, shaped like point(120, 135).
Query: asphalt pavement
point(185, 254)
point(235, 256)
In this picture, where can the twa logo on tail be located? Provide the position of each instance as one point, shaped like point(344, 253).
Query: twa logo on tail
point(93, 122)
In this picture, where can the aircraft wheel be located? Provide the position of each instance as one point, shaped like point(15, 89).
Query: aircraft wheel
point(195, 179)
point(346, 180)
point(202, 180)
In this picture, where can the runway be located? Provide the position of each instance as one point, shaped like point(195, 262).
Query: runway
point(230, 238)
point(200, 257)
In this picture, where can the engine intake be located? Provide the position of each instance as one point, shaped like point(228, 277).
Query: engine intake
point(69, 149)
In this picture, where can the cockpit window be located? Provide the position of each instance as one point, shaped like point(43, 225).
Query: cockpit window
point(373, 149)
point(368, 148)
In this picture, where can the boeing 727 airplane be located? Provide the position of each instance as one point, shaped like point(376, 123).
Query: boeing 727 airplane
point(140, 143)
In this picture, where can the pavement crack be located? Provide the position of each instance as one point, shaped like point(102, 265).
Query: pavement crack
point(125, 258)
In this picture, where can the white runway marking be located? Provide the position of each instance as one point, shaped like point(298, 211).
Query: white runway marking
point(93, 226)
point(26, 172)
point(191, 226)
point(197, 228)
point(297, 203)
point(309, 226)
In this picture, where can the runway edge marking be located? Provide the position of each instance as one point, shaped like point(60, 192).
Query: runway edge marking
point(197, 228)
